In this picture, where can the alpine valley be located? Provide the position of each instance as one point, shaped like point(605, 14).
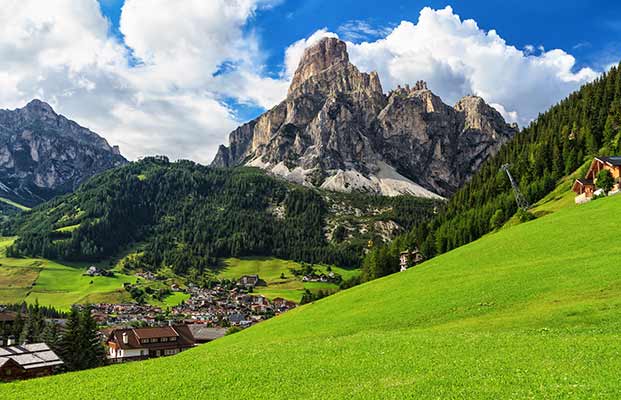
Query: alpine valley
point(347, 243)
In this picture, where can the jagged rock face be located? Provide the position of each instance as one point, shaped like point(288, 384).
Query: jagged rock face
point(338, 130)
point(43, 154)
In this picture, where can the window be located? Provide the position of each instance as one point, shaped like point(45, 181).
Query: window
point(173, 339)
point(164, 339)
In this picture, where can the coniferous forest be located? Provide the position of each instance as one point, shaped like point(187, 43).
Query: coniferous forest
point(557, 143)
point(187, 216)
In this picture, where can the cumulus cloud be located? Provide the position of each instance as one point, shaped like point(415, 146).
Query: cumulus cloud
point(456, 58)
point(159, 91)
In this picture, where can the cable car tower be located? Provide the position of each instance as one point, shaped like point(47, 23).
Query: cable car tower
point(521, 201)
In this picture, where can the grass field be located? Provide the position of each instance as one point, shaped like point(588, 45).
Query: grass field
point(270, 269)
point(61, 285)
point(530, 312)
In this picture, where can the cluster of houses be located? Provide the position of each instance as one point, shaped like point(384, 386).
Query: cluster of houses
point(330, 277)
point(230, 306)
point(221, 305)
point(586, 188)
point(136, 332)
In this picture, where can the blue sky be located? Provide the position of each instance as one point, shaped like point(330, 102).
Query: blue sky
point(590, 30)
point(175, 77)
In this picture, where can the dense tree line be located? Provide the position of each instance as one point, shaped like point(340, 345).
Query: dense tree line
point(557, 143)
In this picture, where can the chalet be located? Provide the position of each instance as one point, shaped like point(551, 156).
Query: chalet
point(281, 304)
point(585, 188)
point(410, 258)
point(27, 361)
point(248, 281)
point(142, 343)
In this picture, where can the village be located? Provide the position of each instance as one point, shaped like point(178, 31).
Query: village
point(132, 331)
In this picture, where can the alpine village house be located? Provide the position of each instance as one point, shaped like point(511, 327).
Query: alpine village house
point(586, 188)
point(141, 343)
point(27, 361)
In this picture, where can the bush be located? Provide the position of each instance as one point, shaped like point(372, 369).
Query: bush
point(525, 216)
point(605, 181)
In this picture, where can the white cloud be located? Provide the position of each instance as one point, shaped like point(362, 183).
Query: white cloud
point(168, 101)
point(456, 58)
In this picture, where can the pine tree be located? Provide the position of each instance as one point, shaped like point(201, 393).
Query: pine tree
point(91, 347)
point(69, 342)
point(51, 336)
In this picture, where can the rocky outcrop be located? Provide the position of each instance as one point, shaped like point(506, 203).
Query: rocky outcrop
point(338, 130)
point(43, 154)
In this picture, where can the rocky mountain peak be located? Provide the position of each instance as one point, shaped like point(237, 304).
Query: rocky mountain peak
point(39, 107)
point(325, 54)
point(337, 130)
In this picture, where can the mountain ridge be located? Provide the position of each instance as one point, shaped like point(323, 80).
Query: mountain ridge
point(338, 130)
point(44, 154)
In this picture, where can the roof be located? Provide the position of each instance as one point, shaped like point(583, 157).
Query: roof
point(149, 333)
point(203, 333)
point(181, 332)
point(585, 181)
point(613, 160)
point(30, 356)
point(7, 316)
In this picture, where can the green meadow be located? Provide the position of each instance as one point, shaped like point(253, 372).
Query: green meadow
point(530, 312)
point(60, 284)
point(276, 273)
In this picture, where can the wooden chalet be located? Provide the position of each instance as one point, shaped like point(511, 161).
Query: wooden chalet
point(248, 281)
point(410, 258)
point(586, 187)
point(27, 361)
point(141, 343)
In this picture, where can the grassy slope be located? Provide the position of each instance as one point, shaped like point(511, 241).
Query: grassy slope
point(269, 270)
point(61, 285)
point(533, 311)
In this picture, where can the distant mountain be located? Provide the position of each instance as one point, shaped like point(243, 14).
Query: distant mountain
point(43, 154)
point(338, 130)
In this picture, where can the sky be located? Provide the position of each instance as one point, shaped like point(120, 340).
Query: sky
point(175, 77)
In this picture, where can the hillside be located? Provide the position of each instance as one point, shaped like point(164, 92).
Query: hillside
point(585, 124)
point(533, 311)
point(189, 216)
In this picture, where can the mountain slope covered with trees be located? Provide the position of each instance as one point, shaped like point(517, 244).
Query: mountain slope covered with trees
point(187, 216)
point(557, 143)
